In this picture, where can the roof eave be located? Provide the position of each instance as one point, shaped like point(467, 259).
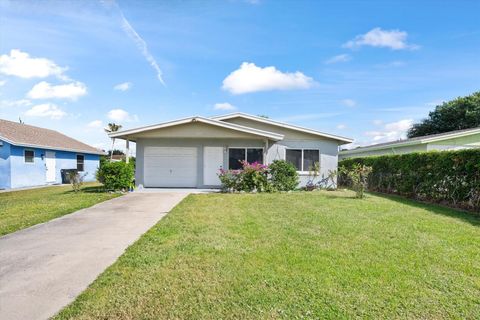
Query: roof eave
point(412, 143)
point(373, 148)
point(38, 146)
point(127, 133)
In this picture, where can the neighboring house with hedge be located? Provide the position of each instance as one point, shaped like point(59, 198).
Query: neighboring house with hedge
point(190, 152)
point(454, 140)
point(32, 156)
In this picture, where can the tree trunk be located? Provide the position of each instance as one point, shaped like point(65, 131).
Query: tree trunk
point(111, 152)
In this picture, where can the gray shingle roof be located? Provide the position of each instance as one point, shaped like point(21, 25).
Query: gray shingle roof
point(26, 135)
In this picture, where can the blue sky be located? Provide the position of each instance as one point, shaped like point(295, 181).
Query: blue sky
point(361, 69)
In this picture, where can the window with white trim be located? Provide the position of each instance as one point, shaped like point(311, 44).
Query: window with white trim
point(303, 159)
point(236, 155)
point(80, 162)
point(29, 156)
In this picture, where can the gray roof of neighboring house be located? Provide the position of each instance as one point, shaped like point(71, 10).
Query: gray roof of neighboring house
point(21, 134)
point(416, 140)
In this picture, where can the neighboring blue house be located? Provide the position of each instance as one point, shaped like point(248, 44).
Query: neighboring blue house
point(32, 156)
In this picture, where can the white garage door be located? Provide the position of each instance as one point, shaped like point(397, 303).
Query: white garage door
point(170, 167)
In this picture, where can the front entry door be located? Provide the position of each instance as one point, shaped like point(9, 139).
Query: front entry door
point(212, 162)
point(50, 165)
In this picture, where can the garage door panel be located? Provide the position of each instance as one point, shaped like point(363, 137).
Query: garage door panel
point(170, 167)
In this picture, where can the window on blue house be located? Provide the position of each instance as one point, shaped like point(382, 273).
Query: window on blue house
point(29, 156)
point(80, 162)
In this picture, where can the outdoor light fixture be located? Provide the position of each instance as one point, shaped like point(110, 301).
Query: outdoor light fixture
point(42, 156)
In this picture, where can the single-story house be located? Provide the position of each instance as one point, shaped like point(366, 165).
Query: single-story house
point(453, 140)
point(189, 152)
point(32, 156)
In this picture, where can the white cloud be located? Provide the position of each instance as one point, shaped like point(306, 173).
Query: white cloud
point(341, 126)
point(339, 58)
point(44, 90)
point(377, 122)
point(15, 103)
point(20, 64)
point(95, 124)
point(349, 103)
point(393, 39)
point(2, 83)
point(250, 78)
point(224, 106)
point(391, 131)
point(46, 110)
point(141, 45)
point(123, 86)
point(121, 115)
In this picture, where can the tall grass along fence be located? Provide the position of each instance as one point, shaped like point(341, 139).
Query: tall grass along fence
point(448, 177)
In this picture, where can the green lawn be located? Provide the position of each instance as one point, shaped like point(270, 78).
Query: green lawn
point(319, 255)
point(25, 208)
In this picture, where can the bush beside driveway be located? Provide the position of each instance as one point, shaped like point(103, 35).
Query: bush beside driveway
point(24, 208)
point(315, 255)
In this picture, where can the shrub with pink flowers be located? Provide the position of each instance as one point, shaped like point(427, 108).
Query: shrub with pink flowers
point(253, 177)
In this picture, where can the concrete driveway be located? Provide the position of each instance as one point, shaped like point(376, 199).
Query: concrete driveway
point(43, 268)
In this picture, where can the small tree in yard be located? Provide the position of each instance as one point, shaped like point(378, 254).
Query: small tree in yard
point(76, 180)
point(358, 177)
point(112, 127)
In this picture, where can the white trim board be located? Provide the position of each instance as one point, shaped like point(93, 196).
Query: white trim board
point(265, 134)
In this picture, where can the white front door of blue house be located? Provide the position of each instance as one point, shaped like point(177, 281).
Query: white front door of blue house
point(50, 166)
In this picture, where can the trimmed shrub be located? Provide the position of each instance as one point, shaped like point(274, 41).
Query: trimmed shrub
point(257, 177)
point(283, 175)
point(116, 175)
point(252, 177)
point(448, 177)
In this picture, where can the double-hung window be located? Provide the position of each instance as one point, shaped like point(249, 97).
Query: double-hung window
point(236, 155)
point(29, 156)
point(303, 159)
point(80, 162)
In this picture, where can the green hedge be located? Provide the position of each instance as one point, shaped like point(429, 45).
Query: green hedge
point(448, 177)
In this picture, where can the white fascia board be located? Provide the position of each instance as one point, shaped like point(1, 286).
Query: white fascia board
point(412, 143)
point(451, 136)
point(384, 147)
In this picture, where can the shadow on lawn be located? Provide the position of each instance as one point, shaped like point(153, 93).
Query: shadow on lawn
point(470, 217)
point(92, 189)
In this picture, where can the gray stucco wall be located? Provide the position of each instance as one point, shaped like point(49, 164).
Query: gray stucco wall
point(298, 140)
point(276, 150)
point(196, 143)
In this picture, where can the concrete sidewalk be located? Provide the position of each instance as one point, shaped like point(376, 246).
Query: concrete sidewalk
point(45, 267)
